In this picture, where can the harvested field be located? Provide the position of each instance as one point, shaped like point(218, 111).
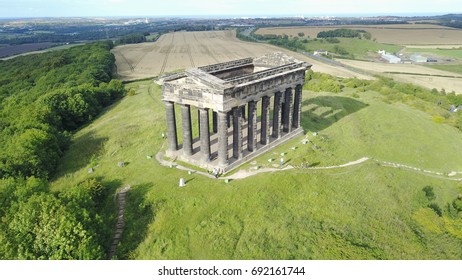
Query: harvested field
point(399, 34)
point(182, 50)
point(411, 73)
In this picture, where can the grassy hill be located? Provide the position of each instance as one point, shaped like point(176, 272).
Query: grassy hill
point(365, 211)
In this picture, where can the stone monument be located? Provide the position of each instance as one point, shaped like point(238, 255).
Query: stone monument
point(226, 97)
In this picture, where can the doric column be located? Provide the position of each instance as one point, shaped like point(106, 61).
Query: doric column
point(187, 132)
point(288, 110)
point(237, 132)
point(199, 121)
point(277, 114)
point(265, 119)
point(228, 118)
point(297, 106)
point(171, 126)
point(205, 134)
point(252, 126)
point(222, 138)
point(243, 112)
point(214, 122)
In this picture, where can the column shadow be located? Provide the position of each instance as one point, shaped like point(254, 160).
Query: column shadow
point(320, 112)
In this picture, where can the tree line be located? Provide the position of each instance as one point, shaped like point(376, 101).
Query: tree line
point(44, 98)
point(344, 33)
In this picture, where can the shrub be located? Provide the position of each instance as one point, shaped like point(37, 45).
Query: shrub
point(429, 192)
point(436, 208)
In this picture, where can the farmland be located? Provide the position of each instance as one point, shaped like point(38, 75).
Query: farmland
point(14, 50)
point(411, 73)
point(182, 50)
point(438, 42)
point(402, 34)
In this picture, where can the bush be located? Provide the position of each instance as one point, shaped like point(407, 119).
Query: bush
point(429, 192)
point(131, 92)
point(457, 204)
point(436, 208)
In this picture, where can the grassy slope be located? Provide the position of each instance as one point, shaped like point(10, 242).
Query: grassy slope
point(365, 211)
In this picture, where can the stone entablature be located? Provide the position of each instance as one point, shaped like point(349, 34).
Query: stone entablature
point(229, 90)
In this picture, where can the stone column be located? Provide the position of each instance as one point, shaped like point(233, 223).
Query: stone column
point(222, 138)
point(199, 121)
point(277, 115)
point(243, 112)
point(215, 122)
point(288, 110)
point(252, 126)
point(205, 134)
point(265, 119)
point(297, 106)
point(228, 118)
point(187, 132)
point(237, 132)
point(171, 126)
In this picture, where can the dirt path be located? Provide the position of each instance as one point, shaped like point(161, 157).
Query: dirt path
point(120, 220)
point(244, 173)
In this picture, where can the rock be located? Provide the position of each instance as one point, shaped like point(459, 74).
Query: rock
point(121, 164)
point(90, 170)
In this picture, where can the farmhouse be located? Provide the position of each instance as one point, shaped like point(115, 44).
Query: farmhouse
point(229, 93)
point(391, 58)
point(418, 58)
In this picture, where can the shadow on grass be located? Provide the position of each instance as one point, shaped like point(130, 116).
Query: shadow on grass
point(107, 208)
point(83, 150)
point(330, 108)
point(139, 213)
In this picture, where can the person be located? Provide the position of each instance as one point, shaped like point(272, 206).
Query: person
point(215, 173)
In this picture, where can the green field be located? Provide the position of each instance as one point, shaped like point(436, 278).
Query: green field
point(450, 68)
point(366, 211)
point(356, 48)
point(452, 53)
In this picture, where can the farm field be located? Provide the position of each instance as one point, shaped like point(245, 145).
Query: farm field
point(366, 211)
point(411, 73)
point(56, 48)
point(399, 34)
point(455, 53)
point(25, 48)
point(356, 48)
point(182, 50)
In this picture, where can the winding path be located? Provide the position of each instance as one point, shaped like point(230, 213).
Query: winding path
point(244, 173)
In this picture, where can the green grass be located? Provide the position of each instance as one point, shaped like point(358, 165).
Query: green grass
point(365, 211)
point(358, 48)
point(450, 68)
point(452, 53)
point(152, 36)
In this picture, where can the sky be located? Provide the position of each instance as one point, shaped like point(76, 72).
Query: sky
point(159, 8)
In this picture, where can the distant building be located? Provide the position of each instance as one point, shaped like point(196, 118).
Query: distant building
point(431, 60)
point(381, 52)
point(320, 52)
point(391, 58)
point(418, 58)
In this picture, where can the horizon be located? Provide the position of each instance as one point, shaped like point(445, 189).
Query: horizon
point(12, 9)
point(238, 16)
